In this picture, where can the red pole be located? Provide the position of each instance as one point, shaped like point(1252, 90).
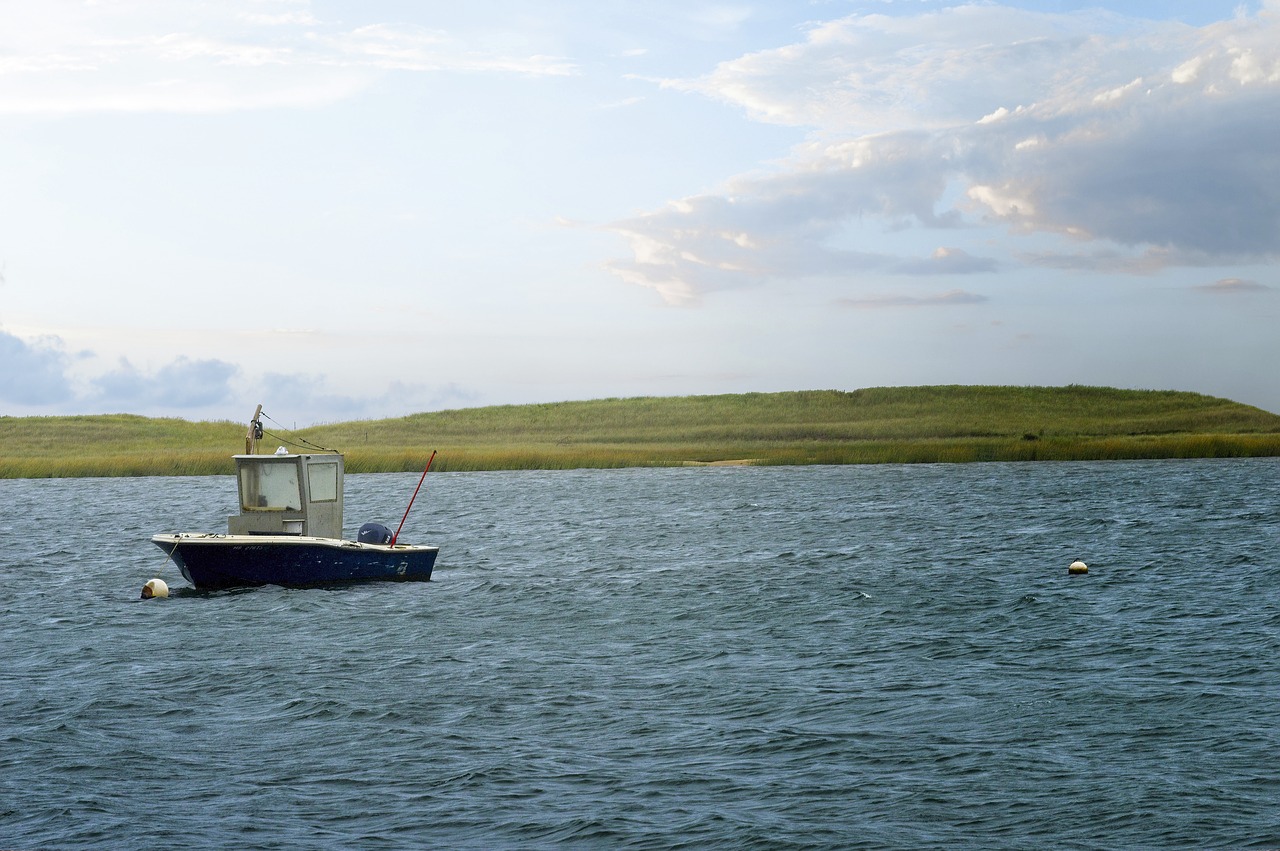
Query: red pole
point(412, 498)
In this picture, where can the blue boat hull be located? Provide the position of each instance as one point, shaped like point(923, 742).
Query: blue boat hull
point(229, 561)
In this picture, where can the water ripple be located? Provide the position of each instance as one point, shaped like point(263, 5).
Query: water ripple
point(745, 657)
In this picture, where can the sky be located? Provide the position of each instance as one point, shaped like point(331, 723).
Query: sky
point(347, 210)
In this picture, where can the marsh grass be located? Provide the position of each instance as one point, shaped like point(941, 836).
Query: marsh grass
point(115, 445)
point(953, 424)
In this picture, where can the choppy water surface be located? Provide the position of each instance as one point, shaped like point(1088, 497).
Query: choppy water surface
point(745, 657)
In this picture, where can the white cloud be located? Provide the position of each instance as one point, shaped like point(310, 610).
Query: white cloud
point(1186, 174)
point(998, 115)
point(949, 298)
point(1188, 72)
point(721, 15)
point(35, 379)
point(1002, 200)
point(32, 372)
point(876, 73)
point(307, 398)
point(1153, 143)
point(1233, 286)
point(185, 57)
point(948, 261)
point(181, 384)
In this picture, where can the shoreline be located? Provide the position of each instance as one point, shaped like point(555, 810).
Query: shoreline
point(463, 459)
point(884, 425)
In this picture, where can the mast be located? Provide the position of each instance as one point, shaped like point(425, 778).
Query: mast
point(254, 433)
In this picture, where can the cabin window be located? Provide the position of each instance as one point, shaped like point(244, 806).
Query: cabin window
point(322, 480)
point(266, 486)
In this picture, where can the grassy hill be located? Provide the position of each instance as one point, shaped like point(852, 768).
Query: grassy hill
point(875, 425)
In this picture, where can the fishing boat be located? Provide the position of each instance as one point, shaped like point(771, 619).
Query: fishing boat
point(289, 529)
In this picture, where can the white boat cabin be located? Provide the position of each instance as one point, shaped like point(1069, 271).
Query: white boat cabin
point(287, 494)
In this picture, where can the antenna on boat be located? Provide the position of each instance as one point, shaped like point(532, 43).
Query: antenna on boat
point(412, 498)
point(254, 434)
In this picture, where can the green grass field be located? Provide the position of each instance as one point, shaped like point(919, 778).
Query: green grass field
point(876, 425)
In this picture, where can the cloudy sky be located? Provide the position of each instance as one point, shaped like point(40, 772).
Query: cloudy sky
point(362, 209)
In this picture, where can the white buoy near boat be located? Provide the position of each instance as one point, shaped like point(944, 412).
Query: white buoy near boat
point(155, 588)
point(1078, 567)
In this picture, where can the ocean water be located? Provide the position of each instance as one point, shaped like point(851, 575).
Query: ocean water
point(852, 657)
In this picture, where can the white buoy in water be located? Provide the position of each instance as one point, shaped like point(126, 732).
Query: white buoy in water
point(155, 588)
point(1078, 566)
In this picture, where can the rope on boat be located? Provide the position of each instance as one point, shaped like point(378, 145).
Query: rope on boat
point(177, 539)
point(301, 442)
